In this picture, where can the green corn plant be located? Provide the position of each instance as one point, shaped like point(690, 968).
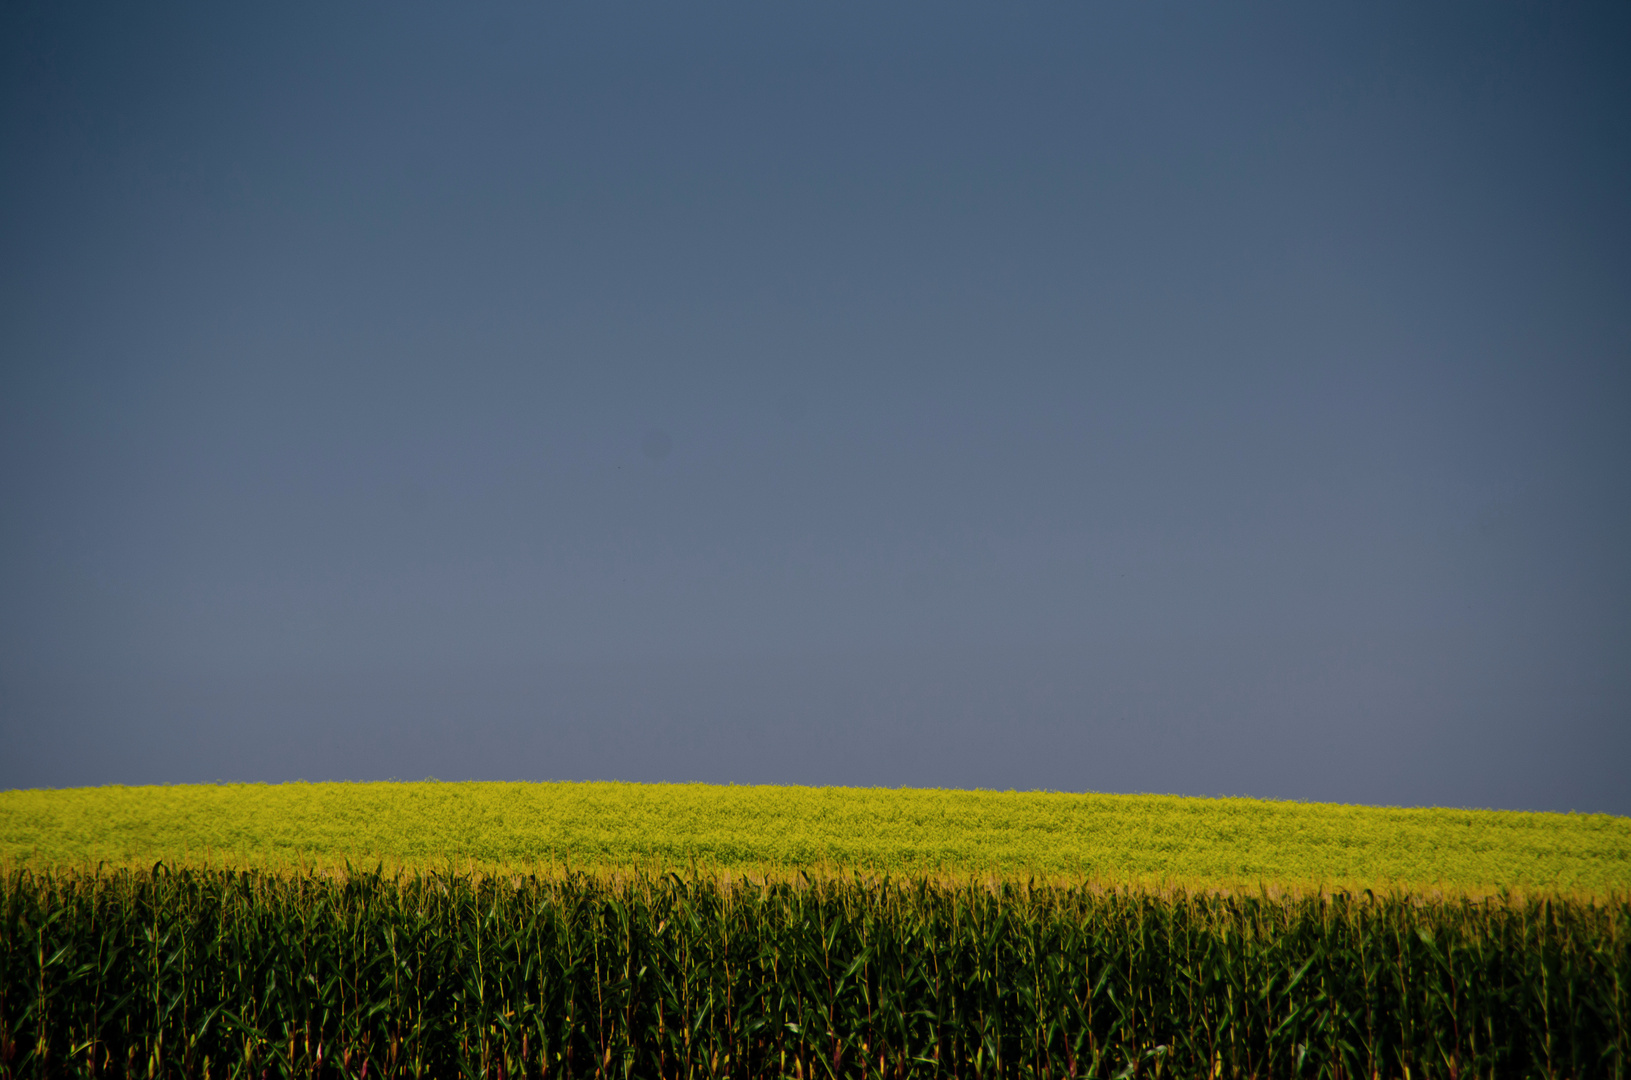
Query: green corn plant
point(218, 973)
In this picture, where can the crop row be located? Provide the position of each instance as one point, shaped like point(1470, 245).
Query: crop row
point(236, 974)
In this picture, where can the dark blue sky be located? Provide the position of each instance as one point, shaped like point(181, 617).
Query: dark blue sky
point(1210, 398)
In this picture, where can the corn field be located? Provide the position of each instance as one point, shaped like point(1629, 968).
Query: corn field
point(222, 973)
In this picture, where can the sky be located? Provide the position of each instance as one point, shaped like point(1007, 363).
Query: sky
point(1218, 399)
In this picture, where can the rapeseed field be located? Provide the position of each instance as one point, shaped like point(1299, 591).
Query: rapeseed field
point(1118, 840)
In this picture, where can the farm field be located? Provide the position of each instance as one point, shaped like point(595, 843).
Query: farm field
point(1138, 840)
point(596, 930)
point(200, 973)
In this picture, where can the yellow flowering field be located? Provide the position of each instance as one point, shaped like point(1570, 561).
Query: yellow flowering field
point(1142, 840)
